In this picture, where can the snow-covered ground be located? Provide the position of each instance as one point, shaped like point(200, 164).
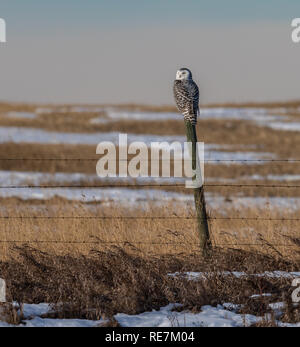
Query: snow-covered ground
point(279, 178)
point(273, 118)
point(20, 115)
point(221, 316)
point(127, 195)
point(237, 274)
point(32, 318)
point(130, 196)
point(14, 178)
point(72, 109)
point(285, 126)
point(225, 315)
point(208, 317)
point(114, 115)
point(143, 197)
point(259, 116)
point(280, 204)
point(31, 135)
point(252, 114)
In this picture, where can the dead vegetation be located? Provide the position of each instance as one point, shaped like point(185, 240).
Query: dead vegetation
point(106, 283)
point(90, 262)
point(63, 227)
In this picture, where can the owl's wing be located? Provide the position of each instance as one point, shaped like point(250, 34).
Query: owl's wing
point(194, 97)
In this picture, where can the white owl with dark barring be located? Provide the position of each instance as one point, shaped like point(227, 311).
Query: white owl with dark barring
point(186, 95)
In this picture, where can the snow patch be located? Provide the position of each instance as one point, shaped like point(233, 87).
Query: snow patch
point(61, 323)
point(20, 115)
point(237, 274)
point(208, 317)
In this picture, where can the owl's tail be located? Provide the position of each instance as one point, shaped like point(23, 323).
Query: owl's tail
point(191, 117)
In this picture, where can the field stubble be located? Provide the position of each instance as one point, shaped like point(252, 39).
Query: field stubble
point(62, 227)
point(103, 263)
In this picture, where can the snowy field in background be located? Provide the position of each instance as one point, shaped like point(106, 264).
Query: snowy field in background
point(31, 135)
point(14, 178)
point(138, 198)
point(21, 115)
point(274, 118)
point(259, 116)
point(252, 114)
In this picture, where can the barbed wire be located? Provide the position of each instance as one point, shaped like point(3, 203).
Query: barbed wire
point(140, 243)
point(146, 185)
point(149, 218)
point(150, 159)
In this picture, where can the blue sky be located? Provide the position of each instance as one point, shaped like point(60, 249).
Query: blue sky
point(85, 14)
point(129, 50)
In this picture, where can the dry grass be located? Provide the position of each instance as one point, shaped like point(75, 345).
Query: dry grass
point(16, 107)
point(291, 104)
point(56, 153)
point(152, 231)
point(239, 133)
point(106, 283)
point(96, 266)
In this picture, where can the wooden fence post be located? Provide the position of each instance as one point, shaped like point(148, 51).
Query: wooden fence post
point(203, 231)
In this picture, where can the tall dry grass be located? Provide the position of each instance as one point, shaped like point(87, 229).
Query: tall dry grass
point(62, 227)
point(114, 281)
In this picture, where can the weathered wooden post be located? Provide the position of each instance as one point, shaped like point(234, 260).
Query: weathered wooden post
point(203, 231)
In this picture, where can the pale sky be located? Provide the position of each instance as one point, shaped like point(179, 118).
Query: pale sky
point(116, 51)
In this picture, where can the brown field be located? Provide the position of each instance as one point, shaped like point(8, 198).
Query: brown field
point(62, 227)
point(240, 135)
point(83, 159)
point(96, 259)
point(116, 281)
point(9, 106)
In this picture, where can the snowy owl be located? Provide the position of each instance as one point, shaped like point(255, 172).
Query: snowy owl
point(186, 95)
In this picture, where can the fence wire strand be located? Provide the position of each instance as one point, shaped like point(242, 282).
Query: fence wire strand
point(275, 161)
point(149, 218)
point(172, 160)
point(139, 243)
point(146, 186)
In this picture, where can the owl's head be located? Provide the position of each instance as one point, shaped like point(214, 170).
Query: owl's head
point(183, 74)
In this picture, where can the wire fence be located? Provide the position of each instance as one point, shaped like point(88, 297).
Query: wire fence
point(150, 218)
point(147, 185)
point(129, 243)
point(161, 159)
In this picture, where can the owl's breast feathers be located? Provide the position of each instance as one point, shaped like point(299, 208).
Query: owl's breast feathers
point(186, 95)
